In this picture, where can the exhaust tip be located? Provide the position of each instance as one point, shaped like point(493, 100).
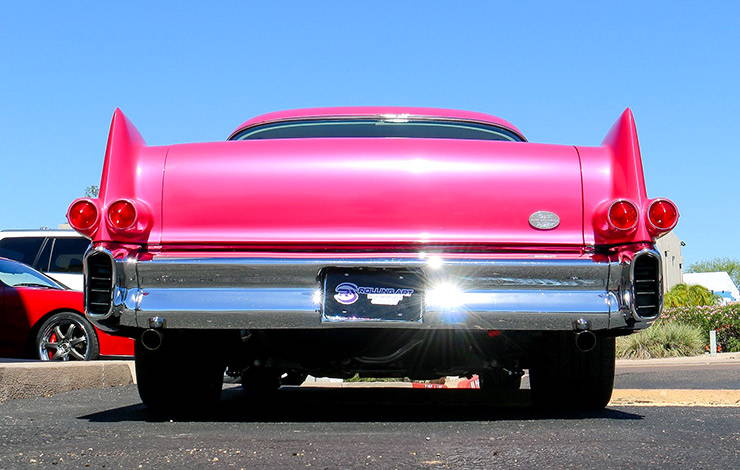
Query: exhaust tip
point(151, 339)
point(585, 341)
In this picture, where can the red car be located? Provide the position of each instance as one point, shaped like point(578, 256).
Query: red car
point(43, 319)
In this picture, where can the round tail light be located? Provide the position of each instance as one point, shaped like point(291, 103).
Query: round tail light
point(82, 215)
point(623, 215)
point(663, 214)
point(121, 215)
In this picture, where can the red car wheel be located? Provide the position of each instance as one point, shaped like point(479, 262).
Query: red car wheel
point(66, 336)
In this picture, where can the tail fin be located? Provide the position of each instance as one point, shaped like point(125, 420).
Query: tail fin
point(628, 178)
point(120, 156)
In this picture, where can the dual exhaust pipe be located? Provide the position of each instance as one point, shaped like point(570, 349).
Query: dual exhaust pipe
point(152, 337)
point(585, 338)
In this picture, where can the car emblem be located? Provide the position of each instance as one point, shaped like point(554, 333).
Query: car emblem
point(346, 293)
point(544, 220)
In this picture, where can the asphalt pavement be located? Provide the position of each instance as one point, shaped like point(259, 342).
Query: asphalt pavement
point(686, 376)
point(323, 427)
point(352, 428)
point(694, 373)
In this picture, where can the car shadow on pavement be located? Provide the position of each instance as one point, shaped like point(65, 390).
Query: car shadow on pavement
point(315, 404)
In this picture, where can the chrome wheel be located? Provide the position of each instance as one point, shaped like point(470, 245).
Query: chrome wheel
point(65, 339)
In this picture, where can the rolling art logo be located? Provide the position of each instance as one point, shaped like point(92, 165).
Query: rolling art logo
point(348, 293)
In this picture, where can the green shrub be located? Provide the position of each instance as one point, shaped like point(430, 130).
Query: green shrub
point(723, 318)
point(663, 339)
point(683, 295)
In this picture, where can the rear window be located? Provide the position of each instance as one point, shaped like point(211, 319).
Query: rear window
point(364, 128)
point(23, 249)
point(66, 255)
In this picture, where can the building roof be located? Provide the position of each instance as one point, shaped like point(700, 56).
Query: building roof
point(715, 282)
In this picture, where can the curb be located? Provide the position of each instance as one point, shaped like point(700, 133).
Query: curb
point(675, 397)
point(721, 358)
point(43, 379)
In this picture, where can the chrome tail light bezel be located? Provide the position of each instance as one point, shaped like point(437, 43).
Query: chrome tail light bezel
point(646, 286)
point(99, 291)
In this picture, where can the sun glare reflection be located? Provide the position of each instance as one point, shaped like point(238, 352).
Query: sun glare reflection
point(435, 262)
point(316, 297)
point(445, 295)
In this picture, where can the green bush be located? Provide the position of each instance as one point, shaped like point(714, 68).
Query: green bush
point(723, 318)
point(683, 295)
point(663, 339)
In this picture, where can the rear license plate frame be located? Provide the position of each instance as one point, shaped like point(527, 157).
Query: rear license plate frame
point(387, 295)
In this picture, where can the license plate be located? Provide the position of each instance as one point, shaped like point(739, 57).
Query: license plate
point(372, 295)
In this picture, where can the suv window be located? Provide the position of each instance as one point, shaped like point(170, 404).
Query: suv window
point(23, 249)
point(42, 260)
point(66, 255)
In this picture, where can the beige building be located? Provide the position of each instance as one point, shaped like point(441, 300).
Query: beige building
point(669, 246)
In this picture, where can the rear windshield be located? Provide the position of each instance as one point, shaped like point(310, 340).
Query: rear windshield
point(361, 128)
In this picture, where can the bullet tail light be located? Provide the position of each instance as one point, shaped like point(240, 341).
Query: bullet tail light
point(622, 215)
point(122, 215)
point(83, 216)
point(662, 215)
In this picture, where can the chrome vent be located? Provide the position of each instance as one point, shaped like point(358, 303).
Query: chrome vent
point(646, 278)
point(98, 283)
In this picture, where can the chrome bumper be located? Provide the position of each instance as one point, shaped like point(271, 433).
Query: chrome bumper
point(280, 293)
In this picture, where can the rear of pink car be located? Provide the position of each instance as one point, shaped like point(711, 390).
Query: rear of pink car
point(381, 241)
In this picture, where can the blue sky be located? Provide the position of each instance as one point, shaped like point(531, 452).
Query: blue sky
point(192, 71)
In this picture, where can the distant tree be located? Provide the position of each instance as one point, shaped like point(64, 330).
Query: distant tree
point(682, 295)
point(729, 265)
point(92, 191)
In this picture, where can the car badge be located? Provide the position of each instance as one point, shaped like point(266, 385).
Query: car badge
point(346, 293)
point(544, 220)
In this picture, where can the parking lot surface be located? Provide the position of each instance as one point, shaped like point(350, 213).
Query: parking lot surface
point(352, 428)
point(687, 377)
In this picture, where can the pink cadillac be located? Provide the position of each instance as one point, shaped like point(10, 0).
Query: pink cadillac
point(399, 242)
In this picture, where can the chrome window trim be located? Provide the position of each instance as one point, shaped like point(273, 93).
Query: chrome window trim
point(418, 117)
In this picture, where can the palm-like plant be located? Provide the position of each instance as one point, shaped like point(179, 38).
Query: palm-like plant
point(683, 295)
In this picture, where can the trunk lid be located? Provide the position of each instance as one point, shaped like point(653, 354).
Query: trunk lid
point(370, 191)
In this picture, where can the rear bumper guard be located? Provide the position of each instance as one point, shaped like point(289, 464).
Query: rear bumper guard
point(283, 293)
